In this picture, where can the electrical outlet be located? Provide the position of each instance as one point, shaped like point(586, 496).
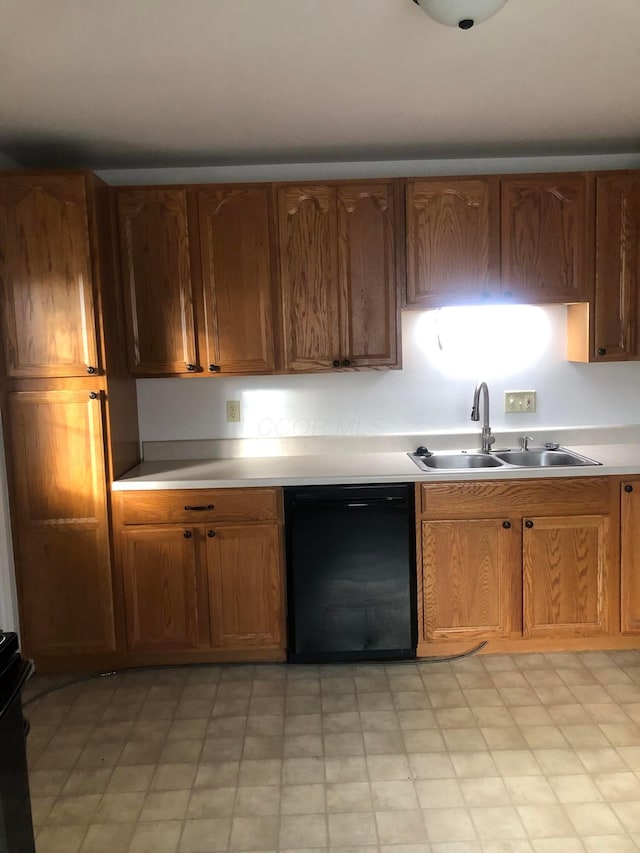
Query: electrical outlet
point(233, 411)
point(519, 401)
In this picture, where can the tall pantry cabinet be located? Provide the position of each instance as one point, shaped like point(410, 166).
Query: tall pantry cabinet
point(68, 408)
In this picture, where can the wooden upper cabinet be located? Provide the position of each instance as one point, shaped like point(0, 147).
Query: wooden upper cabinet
point(61, 522)
point(453, 241)
point(565, 576)
point(617, 290)
point(237, 274)
point(367, 272)
point(630, 557)
point(546, 236)
point(46, 290)
point(156, 275)
point(308, 253)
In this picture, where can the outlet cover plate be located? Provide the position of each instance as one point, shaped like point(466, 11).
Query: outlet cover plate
point(519, 402)
point(233, 411)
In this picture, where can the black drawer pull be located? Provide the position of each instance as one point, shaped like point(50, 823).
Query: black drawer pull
point(199, 508)
point(93, 395)
point(187, 534)
point(602, 351)
point(628, 488)
point(506, 525)
point(336, 362)
point(528, 524)
point(91, 370)
point(211, 533)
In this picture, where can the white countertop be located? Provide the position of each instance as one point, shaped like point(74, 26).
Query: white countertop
point(369, 467)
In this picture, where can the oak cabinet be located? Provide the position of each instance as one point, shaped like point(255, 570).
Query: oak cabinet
point(203, 571)
point(46, 286)
point(509, 559)
point(546, 236)
point(156, 276)
point(198, 272)
point(630, 557)
point(339, 268)
point(453, 241)
point(609, 329)
point(60, 512)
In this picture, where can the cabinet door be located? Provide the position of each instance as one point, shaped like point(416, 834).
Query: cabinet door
point(367, 275)
point(630, 557)
point(156, 275)
point(615, 334)
point(453, 241)
point(309, 277)
point(46, 295)
point(245, 586)
point(160, 582)
point(64, 562)
point(545, 238)
point(471, 572)
point(237, 273)
point(565, 576)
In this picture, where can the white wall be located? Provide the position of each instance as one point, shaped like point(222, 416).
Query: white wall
point(432, 393)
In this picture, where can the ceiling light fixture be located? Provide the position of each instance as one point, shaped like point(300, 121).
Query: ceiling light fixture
point(460, 13)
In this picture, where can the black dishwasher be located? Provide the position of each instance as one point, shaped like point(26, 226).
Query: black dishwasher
point(351, 572)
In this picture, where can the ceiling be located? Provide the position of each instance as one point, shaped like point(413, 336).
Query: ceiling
point(130, 83)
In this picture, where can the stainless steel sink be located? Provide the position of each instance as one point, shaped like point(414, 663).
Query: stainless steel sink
point(540, 457)
point(456, 460)
point(464, 460)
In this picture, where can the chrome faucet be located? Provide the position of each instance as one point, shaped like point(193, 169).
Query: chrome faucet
point(487, 438)
point(524, 441)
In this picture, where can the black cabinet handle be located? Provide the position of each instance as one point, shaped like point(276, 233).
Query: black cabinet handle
point(187, 534)
point(628, 488)
point(190, 508)
point(91, 370)
point(528, 524)
point(214, 368)
point(506, 525)
point(336, 362)
point(346, 362)
point(211, 533)
point(191, 368)
point(93, 395)
point(602, 351)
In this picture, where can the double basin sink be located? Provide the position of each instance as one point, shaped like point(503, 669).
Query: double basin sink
point(464, 460)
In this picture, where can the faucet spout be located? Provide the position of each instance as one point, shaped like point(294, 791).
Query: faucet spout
point(482, 394)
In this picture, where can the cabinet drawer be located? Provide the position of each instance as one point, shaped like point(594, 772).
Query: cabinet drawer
point(192, 506)
point(543, 497)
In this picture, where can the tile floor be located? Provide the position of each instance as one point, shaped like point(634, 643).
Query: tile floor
point(500, 754)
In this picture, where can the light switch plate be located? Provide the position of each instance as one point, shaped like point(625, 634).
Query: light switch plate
point(519, 401)
point(233, 411)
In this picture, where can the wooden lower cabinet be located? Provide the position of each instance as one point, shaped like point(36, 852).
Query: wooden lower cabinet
point(245, 586)
point(525, 562)
point(630, 557)
point(213, 588)
point(565, 567)
point(470, 576)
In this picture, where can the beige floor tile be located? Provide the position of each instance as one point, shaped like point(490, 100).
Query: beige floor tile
point(159, 837)
point(131, 779)
point(425, 740)
point(473, 764)
point(87, 781)
point(570, 715)
point(58, 757)
point(433, 765)
point(629, 815)
point(108, 837)
point(517, 762)
point(394, 796)
point(350, 829)
point(508, 737)
point(439, 793)
point(342, 721)
point(299, 746)
point(61, 839)
point(262, 747)
point(73, 810)
point(544, 737)
point(610, 843)
point(575, 788)
point(257, 800)
point(205, 835)
point(621, 734)
point(488, 791)
point(299, 724)
point(447, 825)
point(447, 698)
point(413, 719)
point(254, 833)
point(302, 799)
point(609, 713)
point(260, 771)
point(383, 743)
point(40, 808)
point(217, 774)
point(331, 702)
point(165, 805)
point(386, 768)
point(141, 752)
point(493, 717)
point(463, 740)
point(559, 845)
point(379, 721)
point(47, 783)
point(302, 771)
point(545, 821)
point(345, 768)
point(348, 743)
point(221, 727)
point(119, 808)
point(617, 787)
point(529, 790)
point(411, 700)
point(630, 756)
point(348, 797)
point(531, 715)
point(603, 759)
point(308, 830)
point(173, 777)
point(593, 819)
point(497, 823)
point(207, 803)
point(187, 751)
point(558, 761)
point(407, 828)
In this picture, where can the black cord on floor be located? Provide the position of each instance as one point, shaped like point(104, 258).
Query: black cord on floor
point(82, 679)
